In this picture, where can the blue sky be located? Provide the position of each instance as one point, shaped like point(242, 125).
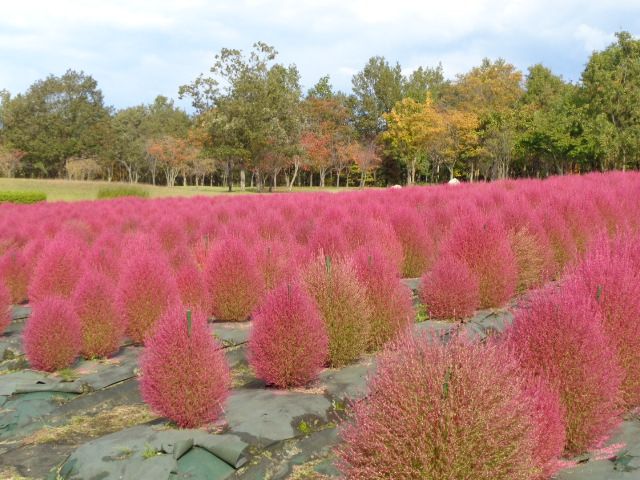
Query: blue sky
point(137, 49)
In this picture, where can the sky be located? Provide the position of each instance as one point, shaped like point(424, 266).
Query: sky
point(137, 49)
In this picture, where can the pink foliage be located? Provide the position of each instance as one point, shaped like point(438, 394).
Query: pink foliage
point(233, 279)
point(102, 325)
point(192, 288)
point(52, 338)
point(146, 288)
point(288, 344)
point(58, 269)
point(185, 375)
point(450, 290)
point(5, 308)
point(417, 246)
point(558, 336)
point(442, 411)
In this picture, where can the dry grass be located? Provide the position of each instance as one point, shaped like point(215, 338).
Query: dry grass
point(10, 473)
point(89, 426)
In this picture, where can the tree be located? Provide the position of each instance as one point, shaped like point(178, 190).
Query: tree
point(366, 158)
point(10, 161)
point(425, 81)
point(611, 85)
point(174, 155)
point(57, 118)
point(376, 89)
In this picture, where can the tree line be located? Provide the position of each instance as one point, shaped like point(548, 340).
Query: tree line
point(252, 125)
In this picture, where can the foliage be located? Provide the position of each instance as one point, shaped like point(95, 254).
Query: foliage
point(288, 344)
point(22, 197)
point(122, 191)
point(185, 375)
point(52, 338)
point(5, 308)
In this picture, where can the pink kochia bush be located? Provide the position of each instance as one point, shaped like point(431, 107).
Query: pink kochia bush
point(342, 300)
point(53, 336)
point(59, 268)
point(389, 300)
point(192, 287)
point(450, 290)
point(185, 376)
point(5, 308)
point(102, 325)
point(234, 282)
point(609, 279)
point(146, 288)
point(438, 411)
point(288, 344)
point(559, 337)
point(482, 243)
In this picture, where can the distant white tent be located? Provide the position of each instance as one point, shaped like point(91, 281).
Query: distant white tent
point(454, 181)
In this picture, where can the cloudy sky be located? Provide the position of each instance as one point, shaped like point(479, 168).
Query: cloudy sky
point(137, 49)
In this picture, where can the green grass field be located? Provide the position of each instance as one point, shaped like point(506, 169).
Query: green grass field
point(73, 190)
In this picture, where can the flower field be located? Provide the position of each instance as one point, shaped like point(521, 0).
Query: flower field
point(314, 279)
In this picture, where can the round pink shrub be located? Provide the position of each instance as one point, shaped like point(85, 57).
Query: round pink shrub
point(450, 290)
point(342, 301)
point(58, 269)
point(52, 337)
point(146, 288)
point(418, 248)
point(102, 325)
point(438, 411)
point(389, 300)
point(288, 344)
point(482, 243)
point(185, 375)
point(192, 287)
point(5, 308)
point(14, 272)
point(559, 337)
point(608, 277)
point(233, 279)
point(276, 262)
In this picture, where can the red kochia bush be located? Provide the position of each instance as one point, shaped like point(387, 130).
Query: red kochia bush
point(609, 278)
point(58, 269)
point(450, 290)
point(185, 375)
point(5, 308)
point(233, 279)
point(288, 343)
point(438, 411)
point(342, 300)
point(389, 300)
point(102, 325)
point(192, 287)
point(52, 338)
point(14, 273)
point(417, 246)
point(483, 244)
point(558, 336)
point(145, 290)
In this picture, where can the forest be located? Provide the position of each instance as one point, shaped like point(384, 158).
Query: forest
point(252, 125)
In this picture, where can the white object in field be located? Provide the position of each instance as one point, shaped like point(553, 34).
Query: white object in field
point(396, 186)
point(454, 181)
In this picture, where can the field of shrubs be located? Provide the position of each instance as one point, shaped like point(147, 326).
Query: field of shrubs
point(318, 284)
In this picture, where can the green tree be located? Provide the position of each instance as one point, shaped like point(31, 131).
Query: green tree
point(55, 119)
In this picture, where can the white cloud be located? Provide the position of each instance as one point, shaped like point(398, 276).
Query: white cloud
point(593, 38)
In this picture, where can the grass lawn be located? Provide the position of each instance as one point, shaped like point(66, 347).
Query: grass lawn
point(71, 190)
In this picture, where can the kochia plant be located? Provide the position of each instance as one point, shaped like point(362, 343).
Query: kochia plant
point(288, 343)
point(185, 375)
point(14, 273)
point(5, 308)
point(52, 337)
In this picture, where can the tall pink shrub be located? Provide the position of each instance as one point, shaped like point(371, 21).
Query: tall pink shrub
point(559, 337)
point(608, 277)
point(419, 250)
point(14, 274)
point(52, 337)
point(389, 300)
point(146, 288)
point(185, 375)
point(192, 287)
point(482, 243)
point(233, 279)
point(102, 324)
point(439, 411)
point(59, 268)
point(450, 290)
point(288, 344)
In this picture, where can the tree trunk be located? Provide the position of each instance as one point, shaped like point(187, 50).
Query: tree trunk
point(296, 167)
point(229, 179)
point(242, 179)
point(323, 174)
point(311, 179)
point(361, 179)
